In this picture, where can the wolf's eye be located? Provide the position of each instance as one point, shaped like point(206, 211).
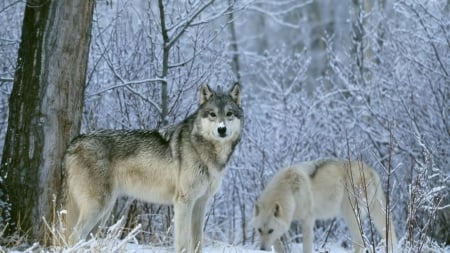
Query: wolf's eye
point(259, 230)
point(229, 114)
point(212, 114)
point(270, 231)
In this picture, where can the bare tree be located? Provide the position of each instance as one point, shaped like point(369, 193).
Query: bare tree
point(169, 41)
point(45, 109)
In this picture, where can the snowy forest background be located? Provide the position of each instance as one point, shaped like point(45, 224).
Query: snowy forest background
point(361, 79)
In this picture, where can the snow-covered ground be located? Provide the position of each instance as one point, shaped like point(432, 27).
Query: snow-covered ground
point(120, 246)
point(100, 247)
point(114, 242)
point(226, 248)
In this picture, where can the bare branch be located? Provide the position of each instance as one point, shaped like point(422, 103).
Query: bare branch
point(182, 26)
point(6, 80)
point(125, 84)
point(10, 5)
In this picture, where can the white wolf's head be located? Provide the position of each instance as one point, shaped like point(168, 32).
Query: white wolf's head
point(221, 115)
point(269, 223)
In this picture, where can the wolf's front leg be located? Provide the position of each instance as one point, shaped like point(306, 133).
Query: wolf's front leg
point(308, 235)
point(183, 220)
point(197, 223)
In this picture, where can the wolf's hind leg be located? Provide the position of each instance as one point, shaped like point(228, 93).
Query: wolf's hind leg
point(352, 222)
point(85, 223)
point(103, 216)
point(90, 212)
point(379, 219)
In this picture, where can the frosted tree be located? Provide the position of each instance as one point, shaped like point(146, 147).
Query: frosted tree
point(401, 92)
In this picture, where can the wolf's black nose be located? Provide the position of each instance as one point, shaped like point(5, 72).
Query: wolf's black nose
point(262, 248)
point(222, 131)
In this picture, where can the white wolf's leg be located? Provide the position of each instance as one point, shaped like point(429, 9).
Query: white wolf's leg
point(353, 226)
point(197, 223)
point(378, 212)
point(183, 221)
point(308, 234)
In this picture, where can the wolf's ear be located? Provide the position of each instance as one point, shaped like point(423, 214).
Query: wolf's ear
point(277, 210)
point(256, 210)
point(205, 93)
point(235, 93)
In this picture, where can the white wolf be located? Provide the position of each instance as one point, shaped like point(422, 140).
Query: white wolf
point(321, 189)
point(182, 165)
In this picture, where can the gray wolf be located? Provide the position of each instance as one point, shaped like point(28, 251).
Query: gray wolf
point(181, 165)
point(321, 189)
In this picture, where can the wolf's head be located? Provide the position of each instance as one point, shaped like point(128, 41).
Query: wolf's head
point(269, 223)
point(221, 115)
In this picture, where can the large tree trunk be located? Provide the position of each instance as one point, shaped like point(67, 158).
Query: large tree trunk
point(45, 109)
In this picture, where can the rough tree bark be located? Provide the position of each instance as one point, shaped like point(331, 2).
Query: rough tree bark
point(45, 109)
